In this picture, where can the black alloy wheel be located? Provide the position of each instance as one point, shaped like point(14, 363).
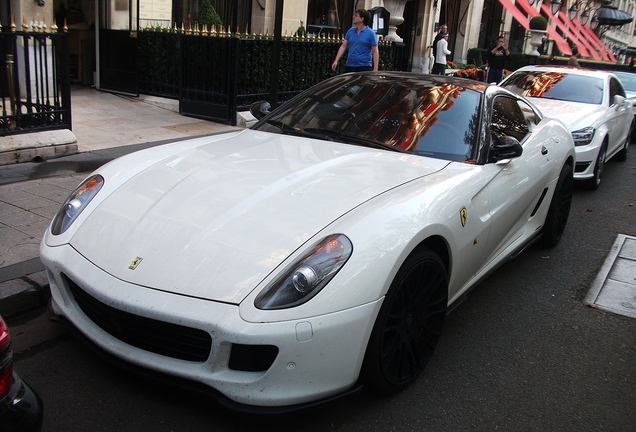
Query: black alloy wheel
point(559, 210)
point(621, 156)
point(409, 323)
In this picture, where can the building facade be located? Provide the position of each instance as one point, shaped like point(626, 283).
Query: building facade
point(110, 25)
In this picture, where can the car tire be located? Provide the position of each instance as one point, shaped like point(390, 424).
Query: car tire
point(593, 183)
point(408, 325)
point(621, 156)
point(559, 210)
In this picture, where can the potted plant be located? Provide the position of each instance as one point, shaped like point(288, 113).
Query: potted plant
point(207, 15)
point(538, 23)
point(538, 26)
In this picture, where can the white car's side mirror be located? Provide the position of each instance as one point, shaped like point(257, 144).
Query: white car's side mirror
point(618, 100)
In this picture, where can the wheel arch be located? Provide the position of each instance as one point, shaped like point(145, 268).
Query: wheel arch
point(439, 245)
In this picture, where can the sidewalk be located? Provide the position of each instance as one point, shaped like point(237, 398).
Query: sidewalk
point(106, 126)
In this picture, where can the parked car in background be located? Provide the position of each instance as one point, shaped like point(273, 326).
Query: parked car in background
point(628, 79)
point(20, 405)
point(317, 252)
point(593, 106)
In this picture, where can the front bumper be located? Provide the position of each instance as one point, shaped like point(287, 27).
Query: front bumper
point(318, 357)
point(585, 160)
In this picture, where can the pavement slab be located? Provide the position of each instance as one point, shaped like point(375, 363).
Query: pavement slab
point(614, 289)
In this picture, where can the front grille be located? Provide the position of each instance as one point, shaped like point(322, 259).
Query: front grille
point(171, 340)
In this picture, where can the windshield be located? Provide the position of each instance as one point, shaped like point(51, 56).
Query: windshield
point(556, 85)
point(419, 116)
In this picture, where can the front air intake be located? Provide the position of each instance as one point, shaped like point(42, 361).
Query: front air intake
point(170, 340)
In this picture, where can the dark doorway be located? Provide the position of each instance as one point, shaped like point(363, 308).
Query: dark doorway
point(118, 48)
point(449, 15)
point(406, 31)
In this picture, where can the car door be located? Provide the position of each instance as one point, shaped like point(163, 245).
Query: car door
point(619, 116)
point(517, 184)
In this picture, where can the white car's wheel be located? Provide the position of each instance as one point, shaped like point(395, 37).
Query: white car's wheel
point(409, 323)
point(621, 156)
point(595, 182)
point(559, 210)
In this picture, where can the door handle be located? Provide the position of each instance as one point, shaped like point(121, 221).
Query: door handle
point(544, 150)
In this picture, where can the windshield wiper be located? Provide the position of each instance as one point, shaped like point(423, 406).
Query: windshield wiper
point(352, 139)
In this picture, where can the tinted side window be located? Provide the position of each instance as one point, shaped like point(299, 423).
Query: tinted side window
point(508, 119)
point(530, 114)
point(616, 88)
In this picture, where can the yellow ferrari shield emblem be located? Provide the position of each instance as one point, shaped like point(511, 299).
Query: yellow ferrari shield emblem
point(133, 265)
point(463, 215)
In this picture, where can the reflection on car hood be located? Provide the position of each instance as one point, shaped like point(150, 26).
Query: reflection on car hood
point(574, 115)
point(213, 221)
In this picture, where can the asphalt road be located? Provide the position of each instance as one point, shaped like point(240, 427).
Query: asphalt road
point(522, 353)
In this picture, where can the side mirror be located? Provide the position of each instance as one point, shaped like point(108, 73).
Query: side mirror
point(260, 109)
point(618, 100)
point(505, 147)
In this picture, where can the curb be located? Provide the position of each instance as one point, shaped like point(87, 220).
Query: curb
point(37, 146)
point(23, 294)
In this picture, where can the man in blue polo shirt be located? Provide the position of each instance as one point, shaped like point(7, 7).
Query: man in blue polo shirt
point(362, 43)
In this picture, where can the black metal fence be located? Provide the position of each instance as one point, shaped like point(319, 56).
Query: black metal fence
point(215, 76)
point(35, 87)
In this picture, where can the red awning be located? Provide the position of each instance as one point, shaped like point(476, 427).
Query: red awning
point(581, 36)
point(599, 46)
point(519, 16)
point(565, 30)
point(592, 36)
point(561, 43)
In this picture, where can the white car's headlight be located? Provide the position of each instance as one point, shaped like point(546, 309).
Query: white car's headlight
point(583, 136)
point(308, 275)
point(75, 203)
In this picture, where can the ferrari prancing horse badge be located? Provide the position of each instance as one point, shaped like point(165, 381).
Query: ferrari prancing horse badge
point(463, 214)
point(133, 265)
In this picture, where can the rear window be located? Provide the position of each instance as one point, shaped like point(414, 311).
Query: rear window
point(556, 85)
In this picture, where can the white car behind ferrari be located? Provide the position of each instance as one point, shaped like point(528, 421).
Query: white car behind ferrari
point(318, 251)
point(592, 104)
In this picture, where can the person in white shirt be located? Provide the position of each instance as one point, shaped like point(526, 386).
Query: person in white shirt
point(439, 68)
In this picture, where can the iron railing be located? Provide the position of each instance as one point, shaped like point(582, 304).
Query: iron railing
point(214, 75)
point(35, 87)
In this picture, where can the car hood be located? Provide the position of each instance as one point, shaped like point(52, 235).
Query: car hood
point(574, 115)
point(213, 221)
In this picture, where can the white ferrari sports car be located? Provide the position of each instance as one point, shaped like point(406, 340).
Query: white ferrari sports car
point(317, 252)
point(592, 104)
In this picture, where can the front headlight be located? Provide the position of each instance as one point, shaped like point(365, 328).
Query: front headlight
point(583, 136)
point(308, 275)
point(75, 203)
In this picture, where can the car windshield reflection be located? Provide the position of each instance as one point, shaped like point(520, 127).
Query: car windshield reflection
point(557, 85)
point(419, 116)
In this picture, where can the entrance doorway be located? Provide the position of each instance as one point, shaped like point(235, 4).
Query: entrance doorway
point(117, 46)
